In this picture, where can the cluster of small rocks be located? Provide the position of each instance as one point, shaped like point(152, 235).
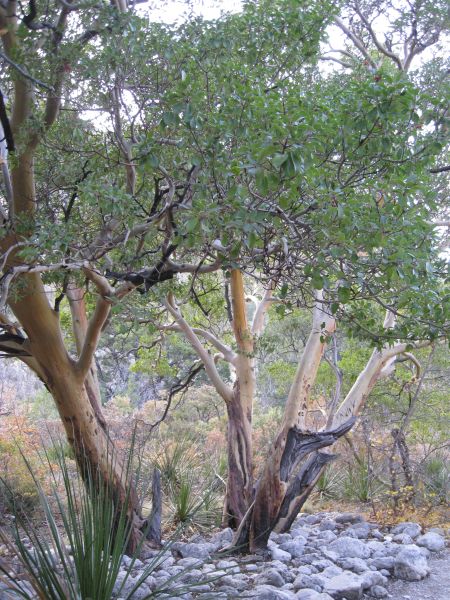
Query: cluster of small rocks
point(324, 557)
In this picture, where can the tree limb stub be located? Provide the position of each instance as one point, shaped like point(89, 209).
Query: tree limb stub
point(300, 443)
point(12, 345)
point(300, 488)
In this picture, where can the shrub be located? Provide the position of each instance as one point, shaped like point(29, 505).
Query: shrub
point(54, 452)
point(78, 555)
point(329, 484)
point(177, 460)
point(359, 484)
point(434, 473)
point(194, 505)
point(17, 479)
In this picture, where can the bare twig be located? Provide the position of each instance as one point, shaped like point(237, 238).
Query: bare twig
point(25, 73)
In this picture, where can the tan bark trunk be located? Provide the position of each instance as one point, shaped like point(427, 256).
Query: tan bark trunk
point(94, 451)
point(239, 494)
point(75, 295)
point(245, 370)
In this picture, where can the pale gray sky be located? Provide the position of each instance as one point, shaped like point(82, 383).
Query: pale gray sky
point(172, 11)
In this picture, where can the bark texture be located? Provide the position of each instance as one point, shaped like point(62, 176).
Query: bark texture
point(238, 399)
point(240, 462)
point(240, 411)
point(94, 450)
point(285, 485)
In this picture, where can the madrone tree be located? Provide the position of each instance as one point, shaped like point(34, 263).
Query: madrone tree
point(355, 244)
point(217, 146)
point(93, 209)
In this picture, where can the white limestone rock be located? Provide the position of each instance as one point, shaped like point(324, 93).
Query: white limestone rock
point(346, 585)
point(412, 529)
point(411, 564)
point(349, 547)
point(432, 541)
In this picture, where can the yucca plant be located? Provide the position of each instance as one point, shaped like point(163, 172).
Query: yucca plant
point(193, 505)
point(77, 554)
point(360, 484)
point(178, 459)
point(329, 484)
point(356, 483)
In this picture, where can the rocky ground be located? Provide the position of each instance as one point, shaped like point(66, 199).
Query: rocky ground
point(435, 587)
point(324, 557)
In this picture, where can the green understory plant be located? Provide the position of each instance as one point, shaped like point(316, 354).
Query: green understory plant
point(78, 552)
point(435, 476)
point(329, 484)
point(195, 505)
point(359, 483)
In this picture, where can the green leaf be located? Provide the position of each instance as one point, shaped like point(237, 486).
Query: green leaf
point(279, 159)
point(192, 224)
point(152, 160)
point(262, 182)
point(334, 307)
point(344, 294)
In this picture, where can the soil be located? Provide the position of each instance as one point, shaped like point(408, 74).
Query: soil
point(434, 587)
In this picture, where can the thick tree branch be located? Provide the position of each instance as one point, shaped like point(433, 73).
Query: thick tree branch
point(225, 350)
point(381, 364)
point(189, 268)
point(297, 404)
point(210, 367)
point(357, 41)
point(262, 307)
point(346, 65)
point(93, 333)
point(75, 296)
point(443, 169)
point(379, 45)
point(107, 295)
point(418, 367)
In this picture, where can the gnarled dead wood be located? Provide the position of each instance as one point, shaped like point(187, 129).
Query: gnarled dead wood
point(280, 493)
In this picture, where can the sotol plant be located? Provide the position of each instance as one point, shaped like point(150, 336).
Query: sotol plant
point(78, 552)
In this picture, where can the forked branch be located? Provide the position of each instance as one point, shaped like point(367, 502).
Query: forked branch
point(210, 367)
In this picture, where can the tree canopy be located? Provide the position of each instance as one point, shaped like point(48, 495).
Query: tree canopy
point(141, 156)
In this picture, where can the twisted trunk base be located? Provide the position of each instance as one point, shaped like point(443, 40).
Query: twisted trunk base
point(291, 472)
point(239, 493)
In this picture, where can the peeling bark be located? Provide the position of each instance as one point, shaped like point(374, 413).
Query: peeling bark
point(239, 494)
point(278, 502)
point(300, 488)
point(286, 483)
